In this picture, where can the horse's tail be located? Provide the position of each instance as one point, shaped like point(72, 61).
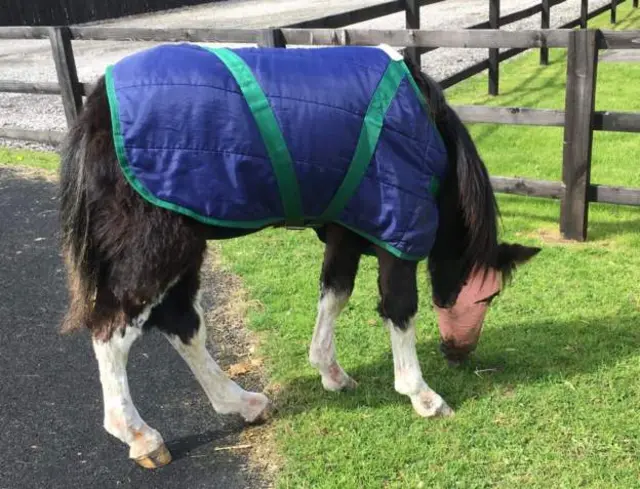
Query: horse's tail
point(74, 214)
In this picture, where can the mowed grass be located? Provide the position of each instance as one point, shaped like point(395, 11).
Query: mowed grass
point(551, 398)
point(561, 407)
point(33, 159)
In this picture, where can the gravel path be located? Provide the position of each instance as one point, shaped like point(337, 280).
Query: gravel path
point(31, 60)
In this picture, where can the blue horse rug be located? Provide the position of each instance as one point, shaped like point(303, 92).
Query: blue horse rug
point(254, 137)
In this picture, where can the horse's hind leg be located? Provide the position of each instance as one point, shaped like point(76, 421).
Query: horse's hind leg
point(398, 307)
point(339, 269)
point(181, 319)
point(121, 418)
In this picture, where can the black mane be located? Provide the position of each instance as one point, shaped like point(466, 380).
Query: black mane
point(467, 233)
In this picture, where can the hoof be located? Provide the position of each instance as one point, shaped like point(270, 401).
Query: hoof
point(336, 379)
point(258, 408)
point(156, 459)
point(264, 417)
point(345, 383)
point(428, 404)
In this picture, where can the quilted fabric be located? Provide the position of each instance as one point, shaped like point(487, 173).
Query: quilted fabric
point(188, 140)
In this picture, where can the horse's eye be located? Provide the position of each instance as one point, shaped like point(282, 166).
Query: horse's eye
point(489, 299)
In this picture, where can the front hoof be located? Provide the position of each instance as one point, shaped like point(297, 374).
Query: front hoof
point(428, 404)
point(336, 379)
point(345, 383)
point(156, 459)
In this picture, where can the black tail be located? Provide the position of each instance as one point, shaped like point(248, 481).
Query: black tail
point(74, 214)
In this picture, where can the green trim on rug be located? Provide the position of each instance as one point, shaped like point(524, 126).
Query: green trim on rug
point(272, 137)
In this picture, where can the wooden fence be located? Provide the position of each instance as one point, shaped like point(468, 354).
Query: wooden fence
point(334, 21)
point(72, 90)
point(496, 21)
point(579, 117)
point(544, 9)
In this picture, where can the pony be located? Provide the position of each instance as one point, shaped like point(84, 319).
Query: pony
point(133, 266)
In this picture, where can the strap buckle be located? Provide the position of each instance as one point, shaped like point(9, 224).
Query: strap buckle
point(295, 224)
point(301, 225)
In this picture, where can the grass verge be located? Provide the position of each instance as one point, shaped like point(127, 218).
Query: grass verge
point(32, 159)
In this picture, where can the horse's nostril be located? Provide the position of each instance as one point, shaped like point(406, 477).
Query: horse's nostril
point(455, 363)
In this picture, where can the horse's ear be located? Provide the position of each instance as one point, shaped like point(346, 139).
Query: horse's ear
point(511, 255)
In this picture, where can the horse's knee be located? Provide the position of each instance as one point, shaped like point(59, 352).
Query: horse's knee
point(398, 309)
point(398, 305)
point(398, 290)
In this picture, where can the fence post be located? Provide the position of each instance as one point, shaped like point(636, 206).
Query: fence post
point(60, 39)
point(584, 13)
point(412, 21)
point(272, 38)
point(494, 60)
point(545, 24)
point(582, 64)
point(614, 6)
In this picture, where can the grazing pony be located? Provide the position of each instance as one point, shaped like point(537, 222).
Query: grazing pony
point(182, 144)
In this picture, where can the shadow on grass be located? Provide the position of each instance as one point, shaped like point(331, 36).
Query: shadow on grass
point(630, 20)
point(524, 353)
point(598, 230)
point(524, 94)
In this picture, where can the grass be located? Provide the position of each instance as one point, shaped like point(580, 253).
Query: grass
point(560, 412)
point(32, 159)
point(561, 409)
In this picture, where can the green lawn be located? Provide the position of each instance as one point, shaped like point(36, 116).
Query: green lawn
point(561, 408)
point(33, 159)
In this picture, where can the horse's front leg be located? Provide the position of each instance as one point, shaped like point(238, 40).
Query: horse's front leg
point(398, 307)
point(121, 418)
point(339, 269)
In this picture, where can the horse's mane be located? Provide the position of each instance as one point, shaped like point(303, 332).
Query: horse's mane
point(467, 236)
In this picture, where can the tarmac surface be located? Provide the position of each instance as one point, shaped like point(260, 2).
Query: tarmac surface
point(50, 399)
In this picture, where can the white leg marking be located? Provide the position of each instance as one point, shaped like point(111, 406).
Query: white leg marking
point(322, 353)
point(121, 418)
point(224, 394)
point(408, 375)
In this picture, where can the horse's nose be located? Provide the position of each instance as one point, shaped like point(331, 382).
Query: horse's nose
point(454, 353)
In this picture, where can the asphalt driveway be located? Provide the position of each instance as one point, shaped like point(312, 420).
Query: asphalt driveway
point(50, 400)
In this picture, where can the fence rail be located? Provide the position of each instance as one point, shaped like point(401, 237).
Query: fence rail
point(602, 120)
point(52, 138)
point(579, 118)
point(478, 38)
point(603, 194)
point(412, 21)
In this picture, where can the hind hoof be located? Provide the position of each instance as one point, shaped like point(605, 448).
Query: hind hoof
point(257, 409)
point(156, 459)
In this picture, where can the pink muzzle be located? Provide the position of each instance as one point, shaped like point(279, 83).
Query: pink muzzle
point(461, 325)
